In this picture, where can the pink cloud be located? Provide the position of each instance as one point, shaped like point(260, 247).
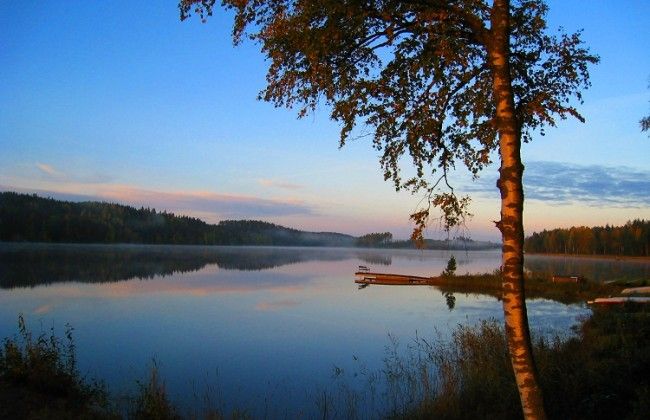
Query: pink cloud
point(223, 205)
point(48, 169)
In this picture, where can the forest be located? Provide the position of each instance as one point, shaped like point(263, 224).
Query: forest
point(631, 239)
point(385, 240)
point(30, 218)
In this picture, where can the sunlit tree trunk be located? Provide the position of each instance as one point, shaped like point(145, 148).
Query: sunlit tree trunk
point(511, 223)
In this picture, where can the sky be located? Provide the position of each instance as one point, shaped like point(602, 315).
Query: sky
point(120, 101)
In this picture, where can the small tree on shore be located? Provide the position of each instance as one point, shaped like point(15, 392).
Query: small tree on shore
point(439, 82)
point(450, 270)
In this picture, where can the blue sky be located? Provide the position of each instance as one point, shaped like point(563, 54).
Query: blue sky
point(122, 102)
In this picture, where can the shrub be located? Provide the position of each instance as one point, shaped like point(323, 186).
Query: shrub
point(39, 379)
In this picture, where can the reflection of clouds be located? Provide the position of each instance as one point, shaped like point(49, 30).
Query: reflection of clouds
point(213, 286)
point(175, 285)
point(43, 309)
point(553, 319)
point(276, 305)
point(566, 183)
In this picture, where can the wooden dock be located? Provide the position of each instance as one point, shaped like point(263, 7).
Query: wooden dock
point(368, 277)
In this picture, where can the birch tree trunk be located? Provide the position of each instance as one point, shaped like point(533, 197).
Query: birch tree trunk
point(511, 223)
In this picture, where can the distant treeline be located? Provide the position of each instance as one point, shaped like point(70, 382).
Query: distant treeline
point(631, 239)
point(385, 240)
point(374, 240)
point(31, 218)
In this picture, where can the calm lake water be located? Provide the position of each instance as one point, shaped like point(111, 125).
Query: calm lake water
point(260, 328)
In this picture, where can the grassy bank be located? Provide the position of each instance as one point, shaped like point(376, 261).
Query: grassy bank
point(536, 288)
point(601, 373)
point(608, 257)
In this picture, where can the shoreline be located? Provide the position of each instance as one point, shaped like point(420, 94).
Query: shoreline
point(625, 258)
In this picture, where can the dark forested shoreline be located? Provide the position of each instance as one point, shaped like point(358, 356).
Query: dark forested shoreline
point(31, 218)
point(631, 239)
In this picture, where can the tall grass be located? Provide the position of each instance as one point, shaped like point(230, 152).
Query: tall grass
point(151, 401)
point(39, 379)
point(601, 373)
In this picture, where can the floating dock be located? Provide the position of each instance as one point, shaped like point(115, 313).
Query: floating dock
point(368, 277)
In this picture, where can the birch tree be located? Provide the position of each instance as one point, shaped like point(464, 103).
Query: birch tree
point(437, 84)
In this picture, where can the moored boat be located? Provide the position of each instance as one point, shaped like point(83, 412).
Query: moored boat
point(619, 300)
point(636, 291)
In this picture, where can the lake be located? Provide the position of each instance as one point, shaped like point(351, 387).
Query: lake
point(267, 329)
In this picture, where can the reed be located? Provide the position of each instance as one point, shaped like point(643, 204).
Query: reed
point(602, 372)
point(39, 379)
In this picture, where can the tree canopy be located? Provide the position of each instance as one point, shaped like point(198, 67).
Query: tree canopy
point(415, 74)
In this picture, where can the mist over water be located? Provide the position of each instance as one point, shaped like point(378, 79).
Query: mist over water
point(255, 327)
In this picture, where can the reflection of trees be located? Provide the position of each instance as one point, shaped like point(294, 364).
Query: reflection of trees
point(377, 259)
point(34, 265)
point(25, 265)
point(28, 265)
point(254, 259)
point(592, 268)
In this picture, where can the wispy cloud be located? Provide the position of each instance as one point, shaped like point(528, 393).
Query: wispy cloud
point(219, 206)
point(50, 172)
point(568, 183)
point(225, 205)
point(278, 184)
point(48, 169)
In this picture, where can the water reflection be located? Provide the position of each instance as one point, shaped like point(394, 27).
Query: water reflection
point(29, 265)
point(592, 268)
point(271, 321)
